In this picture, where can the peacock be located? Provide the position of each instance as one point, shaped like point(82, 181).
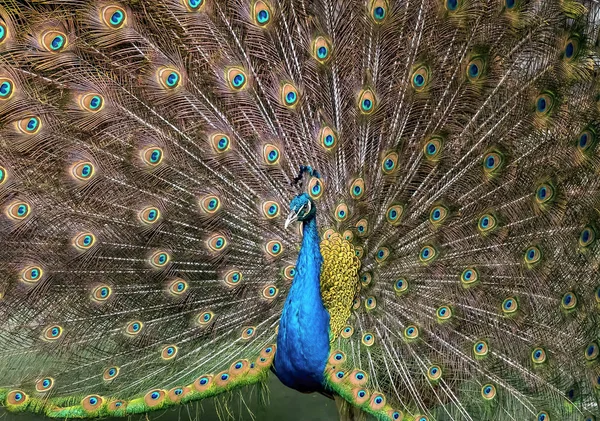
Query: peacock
point(394, 203)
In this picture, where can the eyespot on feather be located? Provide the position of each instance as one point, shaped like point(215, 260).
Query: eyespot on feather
point(134, 328)
point(269, 351)
point(382, 254)
point(262, 13)
point(368, 339)
point(18, 210)
point(52, 333)
point(194, 5)
point(395, 415)
point(178, 393)
point(370, 303)
point(44, 385)
point(83, 170)
point(101, 293)
point(321, 49)
point(152, 156)
point(32, 274)
point(177, 286)
point(53, 41)
point(84, 241)
point(510, 305)
point(592, 351)
point(327, 138)
point(336, 375)
point(3, 175)
point(348, 236)
point(438, 215)
point(378, 10)
point(217, 243)
point(420, 78)
point(210, 204)
point(544, 104)
point(169, 352)
point(411, 332)
point(469, 277)
point(154, 397)
point(569, 301)
point(203, 382)
point(289, 95)
point(359, 251)
point(220, 142)
point(149, 215)
point(362, 227)
point(365, 279)
point(481, 348)
point(571, 48)
point(274, 248)
point(538, 355)
point(433, 148)
point(236, 78)
point(337, 357)
point(315, 188)
point(488, 391)
point(29, 125)
point(487, 223)
point(110, 373)
point(341, 212)
point(393, 214)
point(475, 68)
point(270, 292)
point(347, 332)
point(377, 401)
point(233, 278)
point(160, 259)
point(7, 88)
point(427, 254)
point(16, 397)
point(91, 102)
point(389, 163)
point(168, 77)
point(114, 17)
point(401, 286)
point(366, 101)
point(358, 378)
point(271, 154)
point(360, 395)
point(222, 379)
point(205, 318)
point(357, 188)
point(443, 313)
point(434, 373)
point(586, 141)
point(248, 332)
point(239, 368)
point(271, 209)
point(532, 255)
point(3, 32)
point(492, 162)
point(544, 193)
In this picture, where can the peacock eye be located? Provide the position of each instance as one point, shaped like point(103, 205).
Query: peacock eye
point(193, 5)
point(488, 391)
point(569, 301)
point(261, 13)
point(91, 102)
point(433, 148)
point(451, 5)
point(236, 78)
point(114, 17)
point(3, 32)
point(169, 78)
point(169, 352)
point(321, 49)
point(420, 78)
point(7, 88)
point(544, 193)
point(53, 41)
point(160, 259)
point(533, 255)
point(29, 125)
point(571, 48)
point(110, 373)
point(366, 101)
point(544, 103)
point(44, 385)
point(378, 10)
point(289, 95)
point(510, 305)
point(248, 332)
point(389, 163)
point(271, 154)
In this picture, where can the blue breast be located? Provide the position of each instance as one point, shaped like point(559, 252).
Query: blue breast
point(303, 339)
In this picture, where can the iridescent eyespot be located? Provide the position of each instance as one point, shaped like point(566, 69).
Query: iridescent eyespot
point(315, 188)
point(321, 49)
point(177, 286)
point(480, 348)
point(327, 138)
point(438, 214)
point(149, 215)
point(420, 78)
point(469, 276)
point(532, 255)
point(29, 125)
point(110, 373)
point(134, 328)
point(475, 68)
point(542, 416)
point(411, 332)
point(101, 293)
point(18, 210)
point(32, 274)
point(427, 254)
point(341, 212)
point(152, 156)
point(360, 396)
point(3, 32)
point(44, 385)
point(510, 4)
point(362, 227)
point(236, 77)
point(365, 279)
point(53, 41)
point(233, 278)
point(154, 397)
point(592, 351)
point(177, 393)
point(569, 301)
point(114, 17)
point(216, 243)
point(443, 313)
point(401, 286)
point(210, 204)
point(571, 48)
point(84, 240)
point(193, 5)
point(203, 383)
point(434, 372)
point(52, 333)
point(289, 95)
point(261, 12)
point(433, 148)
point(169, 352)
point(510, 305)
point(289, 272)
point(337, 375)
point(270, 209)
point(382, 254)
point(347, 331)
point(370, 303)
point(544, 193)
point(91, 102)
point(358, 378)
point(168, 77)
point(271, 154)
point(488, 391)
point(273, 248)
point(270, 292)
point(348, 235)
point(544, 103)
point(16, 397)
point(486, 223)
point(359, 251)
point(366, 101)
point(356, 303)
point(220, 142)
point(389, 163)
point(7, 88)
point(239, 367)
point(160, 259)
point(357, 188)
point(337, 357)
point(378, 10)
point(394, 214)
point(586, 140)
point(451, 5)
point(492, 162)
point(587, 236)
point(377, 401)
point(248, 332)
point(395, 415)
point(538, 355)
point(82, 171)
point(3, 175)
point(205, 318)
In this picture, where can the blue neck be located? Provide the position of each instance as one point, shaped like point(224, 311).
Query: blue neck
point(303, 339)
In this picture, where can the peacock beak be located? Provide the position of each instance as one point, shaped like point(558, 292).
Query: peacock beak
point(292, 217)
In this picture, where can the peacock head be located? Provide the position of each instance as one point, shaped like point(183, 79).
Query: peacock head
point(302, 208)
